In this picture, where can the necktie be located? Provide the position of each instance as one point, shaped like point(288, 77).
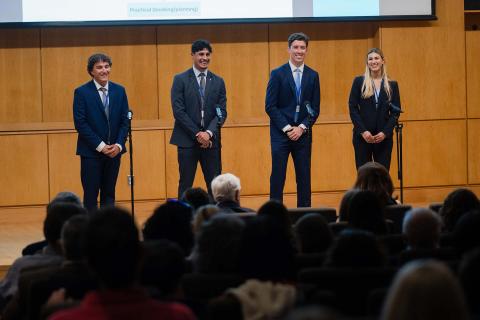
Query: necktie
point(298, 91)
point(105, 101)
point(202, 98)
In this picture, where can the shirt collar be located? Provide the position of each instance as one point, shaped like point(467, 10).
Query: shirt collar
point(294, 67)
point(197, 72)
point(98, 86)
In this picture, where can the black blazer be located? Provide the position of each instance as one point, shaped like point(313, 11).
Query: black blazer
point(186, 105)
point(363, 113)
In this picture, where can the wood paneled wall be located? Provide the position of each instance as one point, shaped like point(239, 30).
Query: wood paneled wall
point(436, 64)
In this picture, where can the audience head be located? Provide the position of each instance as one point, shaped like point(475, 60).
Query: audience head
point(113, 247)
point(357, 249)
point(196, 197)
point(466, 234)
point(425, 290)
point(345, 204)
point(203, 214)
point(218, 245)
point(276, 210)
point(313, 233)
point(455, 205)
point(57, 215)
point(171, 221)
point(73, 237)
point(267, 251)
point(68, 197)
point(422, 228)
point(226, 187)
point(163, 266)
point(366, 213)
point(372, 176)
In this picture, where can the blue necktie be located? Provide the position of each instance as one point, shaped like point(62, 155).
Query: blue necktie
point(105, 100)
point(298, 91)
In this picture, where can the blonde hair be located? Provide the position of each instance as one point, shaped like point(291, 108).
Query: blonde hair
point(367, 86)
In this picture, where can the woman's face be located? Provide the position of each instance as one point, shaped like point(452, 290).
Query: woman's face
point(375, 62)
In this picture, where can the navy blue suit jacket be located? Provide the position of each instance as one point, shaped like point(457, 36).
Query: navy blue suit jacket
point(186, 105)
point(281, 100)
point(364, 115)
point(91, 122)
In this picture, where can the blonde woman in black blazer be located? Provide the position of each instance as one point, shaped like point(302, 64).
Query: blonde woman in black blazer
point(371, 111)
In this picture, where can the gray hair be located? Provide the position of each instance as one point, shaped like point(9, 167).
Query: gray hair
point(225, 186)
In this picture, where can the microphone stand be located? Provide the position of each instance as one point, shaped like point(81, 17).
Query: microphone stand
point(399, 136)
point(131, 176)
point(219, 133)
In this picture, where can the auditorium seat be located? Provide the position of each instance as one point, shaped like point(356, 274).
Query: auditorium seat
point(330, 214)
point(396, 213)
point(203, 287)
point(435, 206)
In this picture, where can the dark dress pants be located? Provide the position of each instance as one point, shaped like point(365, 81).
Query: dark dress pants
point(301, 153)
point(99, 175)
point(378, 152)
point(187, 165)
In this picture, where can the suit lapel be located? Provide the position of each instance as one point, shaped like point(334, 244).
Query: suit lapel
point(208, 84)
point(291, 81)
point(195, 85)
point(97, 99)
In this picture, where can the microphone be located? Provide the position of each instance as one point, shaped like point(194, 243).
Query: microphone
point(310, 111)
point(394, 108)
point(129, 114)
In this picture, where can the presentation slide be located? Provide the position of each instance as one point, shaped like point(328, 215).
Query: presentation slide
point(132, 10)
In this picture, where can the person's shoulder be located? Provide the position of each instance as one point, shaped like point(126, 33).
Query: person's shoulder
point(308, 69)
point(185, 74)
point(86, 86)
point(393, 82)
point(115, 86)
point(174, 309)
point(282, 68)
point(214, 75)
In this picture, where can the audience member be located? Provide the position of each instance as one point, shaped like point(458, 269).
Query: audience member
point(466, 235)
point(425, 290)
point(372, 176)
point(345, 204)
point(204, 214)
point(313, 234)
point(267, 252)
point(355, 249)
point(276, 210)
point(171, 221)
point(422, 227)
point(113, 253)
point(196, 197)
point(469, 276)
point(226, 193)
point(162, 268)
point(218, 245)
point(456, 204)
point(366, 212)
point(65, 196)
point(56, 216)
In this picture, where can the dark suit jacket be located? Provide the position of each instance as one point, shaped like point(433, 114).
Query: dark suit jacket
point(281, 100)
point(186, 105)
point(363, 113)
point(91, 122)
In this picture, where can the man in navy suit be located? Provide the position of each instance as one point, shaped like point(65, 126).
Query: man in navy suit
point(293, 105)
point(199, 108)
point(100, 110)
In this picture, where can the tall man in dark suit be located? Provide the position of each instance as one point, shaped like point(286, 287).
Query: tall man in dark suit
point(199, 107)
point(100, 110)
point(293, 105)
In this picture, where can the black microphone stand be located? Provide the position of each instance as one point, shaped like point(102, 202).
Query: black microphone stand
point(399, 136)
point(131, 176)
point(219, 134)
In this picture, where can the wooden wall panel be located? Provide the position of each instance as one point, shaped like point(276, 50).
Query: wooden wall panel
point(472, 50)
point(149, 167)
point(65, 52)
point(435, 153)
point(64, 164)
point(20, 86)
point(428, 60)
point(473, 151)
point(337, 53)
point(24, 163)
point(240, 57)
point(333, 161)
